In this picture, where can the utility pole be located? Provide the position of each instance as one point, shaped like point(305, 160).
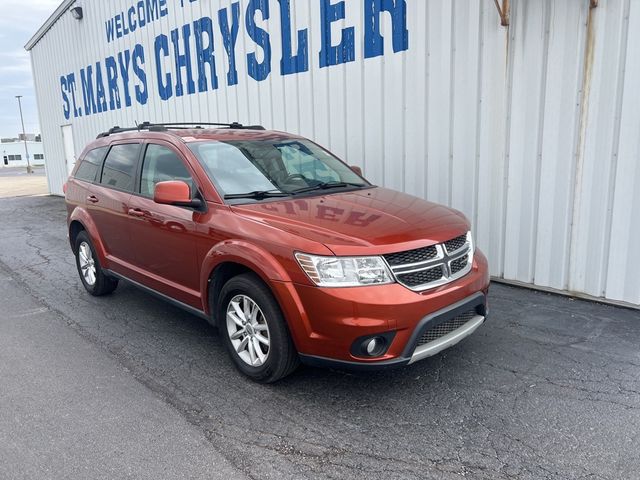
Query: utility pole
point(24, 135)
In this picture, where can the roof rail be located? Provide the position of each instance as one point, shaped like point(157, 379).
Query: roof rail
point(163, 127)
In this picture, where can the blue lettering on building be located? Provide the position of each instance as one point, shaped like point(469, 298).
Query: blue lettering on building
point(161, 47)
point(100, 96)
point(229, 38)
point(292, 63)
point(66, 107)
point(136, 16)
point(112, 82)
point(187, 62)
point(202, 29)
point(86, 77)
point(182, 60)
point(258, 70)
point(142, 93)
point(345, 51)
point(373, 41)
point(124, 62)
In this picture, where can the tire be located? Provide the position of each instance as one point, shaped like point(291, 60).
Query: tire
point(245, 298)
point(93, 278)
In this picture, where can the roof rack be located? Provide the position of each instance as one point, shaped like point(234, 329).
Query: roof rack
point(163, 127)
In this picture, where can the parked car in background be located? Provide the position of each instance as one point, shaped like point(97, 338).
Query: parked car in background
point(290, 252)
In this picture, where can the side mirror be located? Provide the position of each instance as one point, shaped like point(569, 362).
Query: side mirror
point(175, 192)
point(356, 169)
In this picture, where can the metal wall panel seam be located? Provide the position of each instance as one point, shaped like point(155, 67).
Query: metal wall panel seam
point(404, 122)
point(590, 213)
point(476, 170)
point(615, 147)
point(45, 146)
point(511, 35)
point(296, 15)
point(452, 110)
point(525, 111)
point(492, 147)
point(427, 73)
point(383, 117)
point(626, 210)
point(581, 110)
point(269, 26)
point(540, 139)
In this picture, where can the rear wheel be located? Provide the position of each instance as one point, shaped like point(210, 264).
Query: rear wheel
point(93, 278)
point(254, 330)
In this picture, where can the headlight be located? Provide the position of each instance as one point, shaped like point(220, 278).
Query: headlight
point(472, 245)
point(472, 248)
point(344, 271)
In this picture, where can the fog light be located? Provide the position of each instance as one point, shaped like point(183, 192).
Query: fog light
point(372, 346)
point(375, 346)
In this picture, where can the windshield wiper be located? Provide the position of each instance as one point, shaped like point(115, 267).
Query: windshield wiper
point(328, 185)
point(258, 195)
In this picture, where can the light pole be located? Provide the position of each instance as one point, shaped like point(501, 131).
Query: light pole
point(24, 135)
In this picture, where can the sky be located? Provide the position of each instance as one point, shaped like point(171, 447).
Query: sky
point(19, 20)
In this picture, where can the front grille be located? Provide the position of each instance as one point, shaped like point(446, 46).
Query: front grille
point(432, 266)
point(459, 263)
point(455, 244)
point(446, 327)
point(421, 277)
point(411, 256)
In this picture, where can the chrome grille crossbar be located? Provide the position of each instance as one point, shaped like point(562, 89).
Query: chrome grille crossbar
point(446, 266)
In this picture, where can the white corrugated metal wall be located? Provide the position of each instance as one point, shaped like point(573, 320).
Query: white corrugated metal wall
point(531, 130)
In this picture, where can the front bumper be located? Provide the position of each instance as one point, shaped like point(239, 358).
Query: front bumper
point(325, 322)
point(414, 351)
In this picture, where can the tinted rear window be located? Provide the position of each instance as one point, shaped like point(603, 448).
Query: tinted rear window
point(120, 166)
point(90, 165)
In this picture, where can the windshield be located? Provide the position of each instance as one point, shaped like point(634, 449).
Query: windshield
point(278, 167)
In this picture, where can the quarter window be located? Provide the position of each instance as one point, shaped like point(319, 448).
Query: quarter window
point(90, 165)
point(160, 165)
point(120, 166)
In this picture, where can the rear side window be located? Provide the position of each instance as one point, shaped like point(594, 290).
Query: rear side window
point(90, 165)
point(160, 165)
point(120, 166)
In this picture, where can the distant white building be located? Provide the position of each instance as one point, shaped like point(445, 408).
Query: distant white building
point(31, 137)
point(13, 154)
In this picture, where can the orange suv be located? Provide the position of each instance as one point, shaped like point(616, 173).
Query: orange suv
point(287, 250)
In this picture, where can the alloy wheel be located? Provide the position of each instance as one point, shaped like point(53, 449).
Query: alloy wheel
point(87, 263)
point(248, 330)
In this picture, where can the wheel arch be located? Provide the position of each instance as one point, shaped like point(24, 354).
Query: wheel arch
point(231, 258)
point(81, 220)
point(75, 227)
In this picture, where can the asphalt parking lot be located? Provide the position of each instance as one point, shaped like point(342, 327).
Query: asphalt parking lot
point(127, 386)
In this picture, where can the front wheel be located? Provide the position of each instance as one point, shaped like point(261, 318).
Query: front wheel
point(254, 330)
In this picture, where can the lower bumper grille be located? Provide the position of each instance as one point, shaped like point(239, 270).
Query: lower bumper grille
point(446, 327)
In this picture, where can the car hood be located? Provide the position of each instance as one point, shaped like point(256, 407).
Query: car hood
point(372, 220)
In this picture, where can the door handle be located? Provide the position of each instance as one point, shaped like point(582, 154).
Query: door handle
point(136, 212)
point(92, 199)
